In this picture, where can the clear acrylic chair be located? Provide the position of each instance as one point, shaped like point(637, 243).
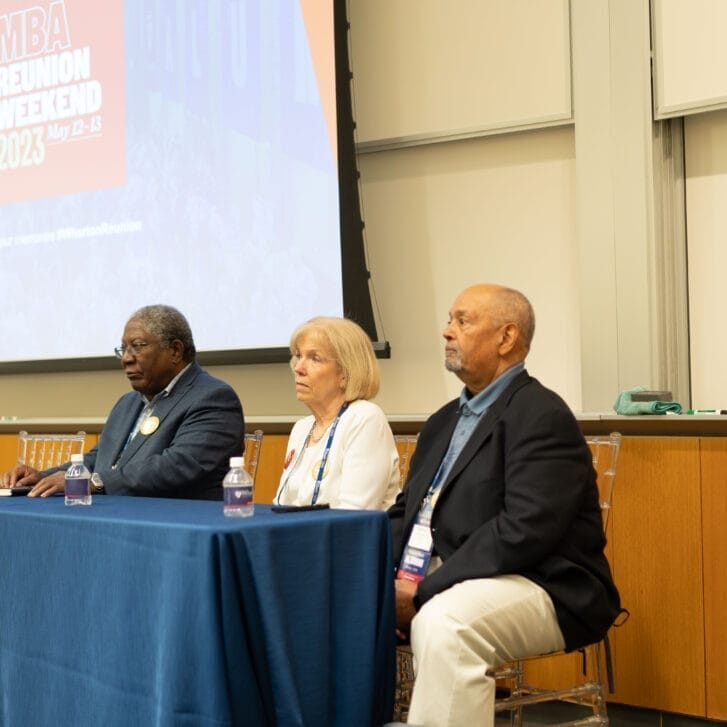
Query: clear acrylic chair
point(42, 451)
point(589, 691)
point(252, 445)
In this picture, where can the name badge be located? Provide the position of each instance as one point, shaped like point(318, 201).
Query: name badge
point(417, 554)
point(418, 551)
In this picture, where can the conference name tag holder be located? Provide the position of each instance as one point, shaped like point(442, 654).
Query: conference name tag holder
point(418, 551)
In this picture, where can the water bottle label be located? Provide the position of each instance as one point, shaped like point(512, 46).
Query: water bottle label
point(77, 487)
point(238, 496)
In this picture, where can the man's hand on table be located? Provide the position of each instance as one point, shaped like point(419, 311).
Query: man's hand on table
point(49, 485)
point(19, 476)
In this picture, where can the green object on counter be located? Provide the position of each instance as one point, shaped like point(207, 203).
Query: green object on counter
point(625, 405)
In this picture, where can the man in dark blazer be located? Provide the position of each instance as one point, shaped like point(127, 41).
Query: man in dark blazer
point(498, 538)
point(170, 437)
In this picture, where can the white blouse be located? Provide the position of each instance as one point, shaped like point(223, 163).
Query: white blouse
point(362, 470)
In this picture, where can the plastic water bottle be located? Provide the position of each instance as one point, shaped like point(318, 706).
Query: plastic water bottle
point(78, 482)
point(237, 489)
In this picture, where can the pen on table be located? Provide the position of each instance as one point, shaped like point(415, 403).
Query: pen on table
point(707, 411)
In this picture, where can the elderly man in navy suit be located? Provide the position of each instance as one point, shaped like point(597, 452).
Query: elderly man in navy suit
point(498, 540)
point(170, 437)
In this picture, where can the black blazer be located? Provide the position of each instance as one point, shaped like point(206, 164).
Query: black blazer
point(520, 499)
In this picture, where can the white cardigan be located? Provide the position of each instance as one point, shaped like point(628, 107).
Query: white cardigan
point(362, 471)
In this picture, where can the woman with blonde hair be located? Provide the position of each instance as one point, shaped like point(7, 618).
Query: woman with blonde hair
point(343, 454)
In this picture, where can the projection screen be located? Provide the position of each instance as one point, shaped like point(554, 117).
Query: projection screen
point(154, 151)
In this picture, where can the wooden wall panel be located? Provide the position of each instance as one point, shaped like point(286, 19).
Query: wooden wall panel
point(8, 451)
point(657, 564)
point(714, 543)
point(270, 467)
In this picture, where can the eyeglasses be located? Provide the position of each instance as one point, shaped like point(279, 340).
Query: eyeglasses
point(135, 348)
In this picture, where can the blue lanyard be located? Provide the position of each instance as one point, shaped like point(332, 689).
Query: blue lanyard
point(436, 482)
point(434, 486)
point(321, 469)
point(324, 459)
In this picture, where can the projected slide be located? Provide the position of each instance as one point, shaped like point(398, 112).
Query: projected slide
point(177, 152)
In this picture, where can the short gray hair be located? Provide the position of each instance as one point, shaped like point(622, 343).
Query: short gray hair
point(168, 324)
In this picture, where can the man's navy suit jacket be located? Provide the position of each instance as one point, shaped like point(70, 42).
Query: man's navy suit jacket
point(520, 499)
point(200, 428)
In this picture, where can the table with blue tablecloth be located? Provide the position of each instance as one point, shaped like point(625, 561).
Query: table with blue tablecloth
point(143, 611)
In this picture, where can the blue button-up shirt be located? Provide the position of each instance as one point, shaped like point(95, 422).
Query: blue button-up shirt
point(471, 411)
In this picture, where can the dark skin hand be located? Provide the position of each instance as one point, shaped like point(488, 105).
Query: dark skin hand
point(20, 475)
point(405, 610)
point(42, 486)
point(49, 485)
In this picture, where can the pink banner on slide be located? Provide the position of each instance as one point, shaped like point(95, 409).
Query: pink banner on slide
point(62, 97)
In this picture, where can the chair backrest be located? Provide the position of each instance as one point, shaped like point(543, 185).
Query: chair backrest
point(252, 445)
point(405, 445)
point(604, 451)
point(43, 451)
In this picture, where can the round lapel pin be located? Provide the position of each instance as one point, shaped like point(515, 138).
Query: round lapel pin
point(149, 425)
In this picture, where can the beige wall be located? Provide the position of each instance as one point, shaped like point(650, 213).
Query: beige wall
point(438, 217)
point(442, 216)
point(706, 187)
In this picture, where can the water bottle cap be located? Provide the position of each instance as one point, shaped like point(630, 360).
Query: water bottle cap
point(235, 461)
point(77, 458)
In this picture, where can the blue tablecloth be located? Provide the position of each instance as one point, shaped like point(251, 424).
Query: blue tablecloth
point(141, 611)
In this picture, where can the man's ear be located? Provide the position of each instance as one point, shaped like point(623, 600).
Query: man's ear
point(177, 350)
point(509, 337)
